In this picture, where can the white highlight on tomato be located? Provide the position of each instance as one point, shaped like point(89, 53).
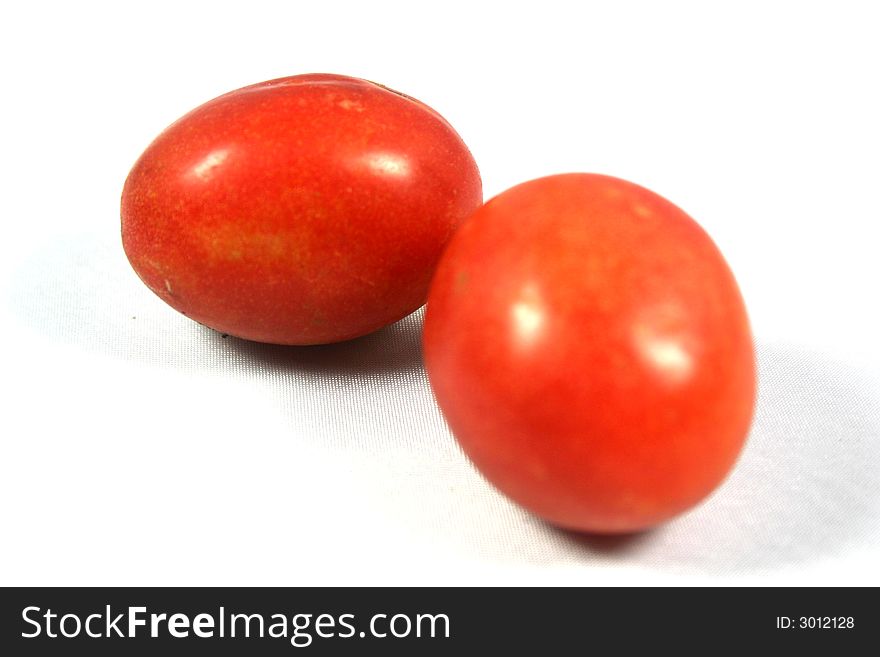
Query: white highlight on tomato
point(204, 170)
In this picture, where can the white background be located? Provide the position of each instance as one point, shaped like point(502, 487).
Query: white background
point(140, 448)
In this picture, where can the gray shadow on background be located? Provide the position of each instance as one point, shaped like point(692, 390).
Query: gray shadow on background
point(393, 349)
point(806, 485)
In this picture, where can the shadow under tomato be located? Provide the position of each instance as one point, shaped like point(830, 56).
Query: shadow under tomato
point(395, 348)
point(607, 544)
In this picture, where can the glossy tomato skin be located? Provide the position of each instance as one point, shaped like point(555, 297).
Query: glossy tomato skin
point(591, 352)
point(304, 210)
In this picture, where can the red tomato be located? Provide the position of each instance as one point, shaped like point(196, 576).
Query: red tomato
point(304, 210)
point(590, 349)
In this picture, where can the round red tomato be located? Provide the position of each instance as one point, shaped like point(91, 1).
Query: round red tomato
point(303, 210)
point(591, 352)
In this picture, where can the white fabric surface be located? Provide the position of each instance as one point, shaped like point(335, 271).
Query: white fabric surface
point(141, 448)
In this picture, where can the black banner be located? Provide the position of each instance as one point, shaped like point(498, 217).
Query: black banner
point(430, 621)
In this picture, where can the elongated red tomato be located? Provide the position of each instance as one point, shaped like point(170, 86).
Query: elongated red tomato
point(303, 210)
point(590, 349)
